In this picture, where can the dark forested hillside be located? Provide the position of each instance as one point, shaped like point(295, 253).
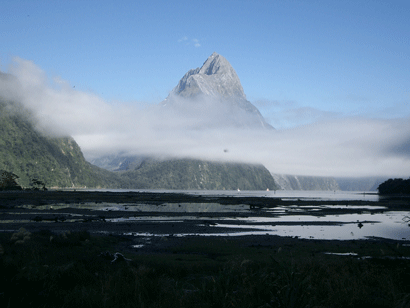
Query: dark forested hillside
point(58, 162)
point(199, 174)
point(395, 186)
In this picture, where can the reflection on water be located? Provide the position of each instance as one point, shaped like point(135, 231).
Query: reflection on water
point(185, 207)
point(316, 221)
point(341, 253)
point(182, 207)
point(343, 227)
point(365, 223)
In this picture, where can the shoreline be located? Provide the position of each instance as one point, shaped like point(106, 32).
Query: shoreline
point(119, 213)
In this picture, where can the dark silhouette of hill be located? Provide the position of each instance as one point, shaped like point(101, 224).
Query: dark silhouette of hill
point(394, 186)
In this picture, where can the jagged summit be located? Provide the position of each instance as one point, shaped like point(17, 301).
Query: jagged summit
point(215, 92)
point(216, 77)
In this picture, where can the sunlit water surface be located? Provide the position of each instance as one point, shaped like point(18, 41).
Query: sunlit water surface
point(307, 222)
point(315, 221)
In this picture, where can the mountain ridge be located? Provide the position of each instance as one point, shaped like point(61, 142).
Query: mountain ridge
point(210, 96)
point(56, 161)
point(59, 163)
point(215, 77)
point(215, 85)
point(200, 174)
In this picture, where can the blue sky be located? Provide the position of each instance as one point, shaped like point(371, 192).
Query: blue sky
point(332, 76)
point(298, 61)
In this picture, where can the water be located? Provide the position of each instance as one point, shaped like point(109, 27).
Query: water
point(390, 224)
point(315, 221)
point(342, 227)
point(309, 222)
point(286, 194)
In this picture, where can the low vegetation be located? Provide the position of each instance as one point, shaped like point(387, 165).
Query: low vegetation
point(8, 181)
point(43, 269)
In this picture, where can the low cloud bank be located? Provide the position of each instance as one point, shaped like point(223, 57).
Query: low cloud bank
point(351, 147)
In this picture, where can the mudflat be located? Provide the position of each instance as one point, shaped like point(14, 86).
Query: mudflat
point(76, 248)
point(153, 217)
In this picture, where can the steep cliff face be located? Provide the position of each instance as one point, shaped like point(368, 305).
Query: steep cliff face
point(199, 174)
point(293, 182)
point(214, 92)
point(29, 154)
point(216, 78)
point(215, 89)
point(213, 95)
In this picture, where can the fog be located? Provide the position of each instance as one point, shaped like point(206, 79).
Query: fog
point(343, 147)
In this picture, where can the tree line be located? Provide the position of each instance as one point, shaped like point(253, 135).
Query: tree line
point(8, 181)
point(395, 186)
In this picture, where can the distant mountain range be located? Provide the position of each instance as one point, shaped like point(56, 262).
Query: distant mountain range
point(199, 174)
point(360, 184)
point(59, 163)
point(213, 89)
point(294, 182)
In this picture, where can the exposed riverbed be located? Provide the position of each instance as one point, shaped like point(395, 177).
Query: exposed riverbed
point(308, 215)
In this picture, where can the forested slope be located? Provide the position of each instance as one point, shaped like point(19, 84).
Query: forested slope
point(58, 162)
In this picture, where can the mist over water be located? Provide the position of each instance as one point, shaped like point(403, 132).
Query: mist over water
point(351, 147)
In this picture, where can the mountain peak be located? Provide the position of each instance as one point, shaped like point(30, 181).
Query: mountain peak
point(221, 95)
point(216, 77)
point(215, 64)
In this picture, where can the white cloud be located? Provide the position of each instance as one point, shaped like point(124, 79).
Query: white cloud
point(337, 147)
point(188, 41)
point(287, 114)
point(196, 43)
point(183, 39)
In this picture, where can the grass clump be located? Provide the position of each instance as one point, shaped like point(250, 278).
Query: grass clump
point(21, 236)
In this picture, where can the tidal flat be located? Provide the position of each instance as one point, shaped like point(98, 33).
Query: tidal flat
point(199, 250)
